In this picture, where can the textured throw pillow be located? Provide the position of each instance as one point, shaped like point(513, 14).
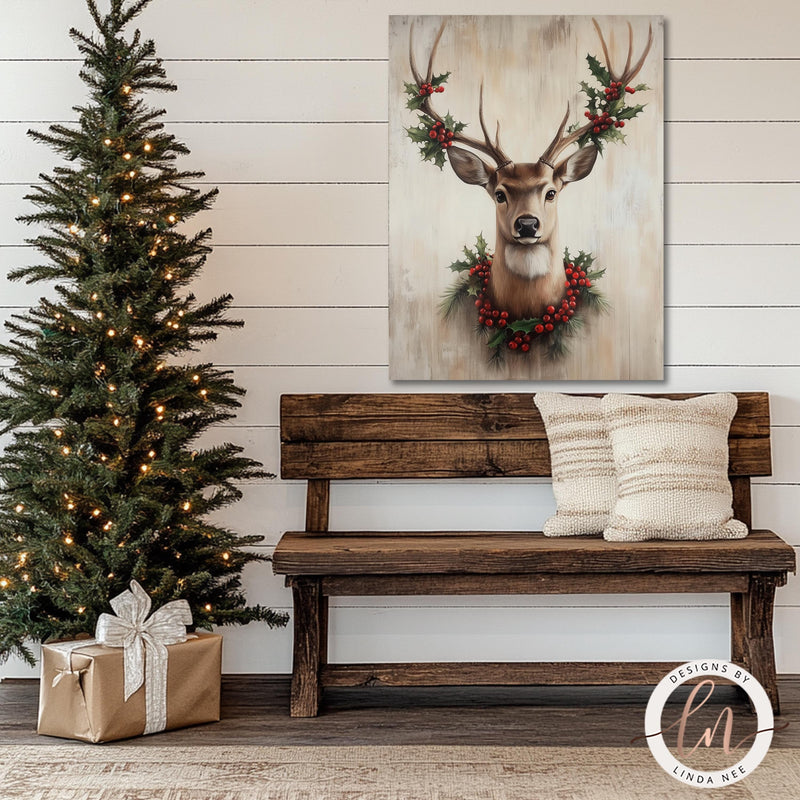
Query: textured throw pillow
point(582, 463)
point(671, 459)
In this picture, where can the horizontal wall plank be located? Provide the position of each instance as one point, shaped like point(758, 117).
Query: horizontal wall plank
point(272, 215)
point(420, 634)
point(305, 337)
point(358, 276)
point(348, 215)
point(255, 276)
point(224, 90)
point(357, 28)
point(272, 508)
point(731, 336)
point(711, 275)
point(266, 384)
point(356, 91)
point(358, 152)
point(230, 153)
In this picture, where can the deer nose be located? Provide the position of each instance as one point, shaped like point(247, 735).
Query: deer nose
point(526, 225)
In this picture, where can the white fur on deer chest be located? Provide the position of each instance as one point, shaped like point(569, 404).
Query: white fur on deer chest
point(528, 262)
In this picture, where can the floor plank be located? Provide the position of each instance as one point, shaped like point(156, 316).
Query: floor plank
point(256, 711)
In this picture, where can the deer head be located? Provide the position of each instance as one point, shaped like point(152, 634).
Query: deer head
point(527, 272)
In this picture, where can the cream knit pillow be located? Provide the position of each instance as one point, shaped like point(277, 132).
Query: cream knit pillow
point(671, 459)
point(582, 463)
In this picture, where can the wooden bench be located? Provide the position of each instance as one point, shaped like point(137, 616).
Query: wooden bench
point(436, 436)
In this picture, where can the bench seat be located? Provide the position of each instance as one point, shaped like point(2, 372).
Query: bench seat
point(493, 552)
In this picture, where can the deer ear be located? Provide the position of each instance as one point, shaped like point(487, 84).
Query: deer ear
point(469, 167)
point(577, 166)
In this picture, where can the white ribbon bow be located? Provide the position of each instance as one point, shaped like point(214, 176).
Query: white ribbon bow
point(144, 642)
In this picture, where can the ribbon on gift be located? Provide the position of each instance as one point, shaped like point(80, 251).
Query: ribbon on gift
point(144, 641)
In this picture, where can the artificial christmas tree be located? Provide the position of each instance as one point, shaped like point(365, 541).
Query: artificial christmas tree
point(109, 484)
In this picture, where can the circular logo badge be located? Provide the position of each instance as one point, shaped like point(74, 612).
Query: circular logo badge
point(708, 668)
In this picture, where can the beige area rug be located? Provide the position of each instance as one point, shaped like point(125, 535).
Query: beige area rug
point(130, 772)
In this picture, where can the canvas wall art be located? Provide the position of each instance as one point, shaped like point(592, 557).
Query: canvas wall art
point(526, 198)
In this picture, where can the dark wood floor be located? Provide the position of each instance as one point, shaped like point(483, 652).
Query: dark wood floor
point(255, 712)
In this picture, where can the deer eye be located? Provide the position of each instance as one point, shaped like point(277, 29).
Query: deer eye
point(551, 195)
point(500, 197)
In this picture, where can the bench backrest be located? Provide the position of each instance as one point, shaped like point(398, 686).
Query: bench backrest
point(346, 436)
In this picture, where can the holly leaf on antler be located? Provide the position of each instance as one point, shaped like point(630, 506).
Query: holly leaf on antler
point(418, 134)
point(438, 80)
point(629, 112)
point(598, 70)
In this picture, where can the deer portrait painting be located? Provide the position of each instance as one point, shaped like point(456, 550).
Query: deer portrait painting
point(499, 268)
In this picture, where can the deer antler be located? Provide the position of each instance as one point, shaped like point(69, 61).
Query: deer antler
point(629, 73)
point(489, 148)
point(560, 142)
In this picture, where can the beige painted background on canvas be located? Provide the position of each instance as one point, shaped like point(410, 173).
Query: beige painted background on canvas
point(531, 67)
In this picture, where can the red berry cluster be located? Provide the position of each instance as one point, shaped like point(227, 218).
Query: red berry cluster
point(441, 134)
point(491, 317)
point(521, 341)
point(604, 120)
point(612, 92)
point(427, 88)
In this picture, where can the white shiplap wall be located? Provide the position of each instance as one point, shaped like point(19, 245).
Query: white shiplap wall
point(284, 105)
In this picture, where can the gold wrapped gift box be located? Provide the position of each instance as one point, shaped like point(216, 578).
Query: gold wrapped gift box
point(81, 694)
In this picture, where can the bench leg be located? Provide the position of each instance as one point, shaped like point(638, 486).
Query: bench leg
point(739, 629)
point(760, 650)
point(308, 646)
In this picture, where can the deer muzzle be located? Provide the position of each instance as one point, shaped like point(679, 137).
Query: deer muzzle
point(526, 227)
